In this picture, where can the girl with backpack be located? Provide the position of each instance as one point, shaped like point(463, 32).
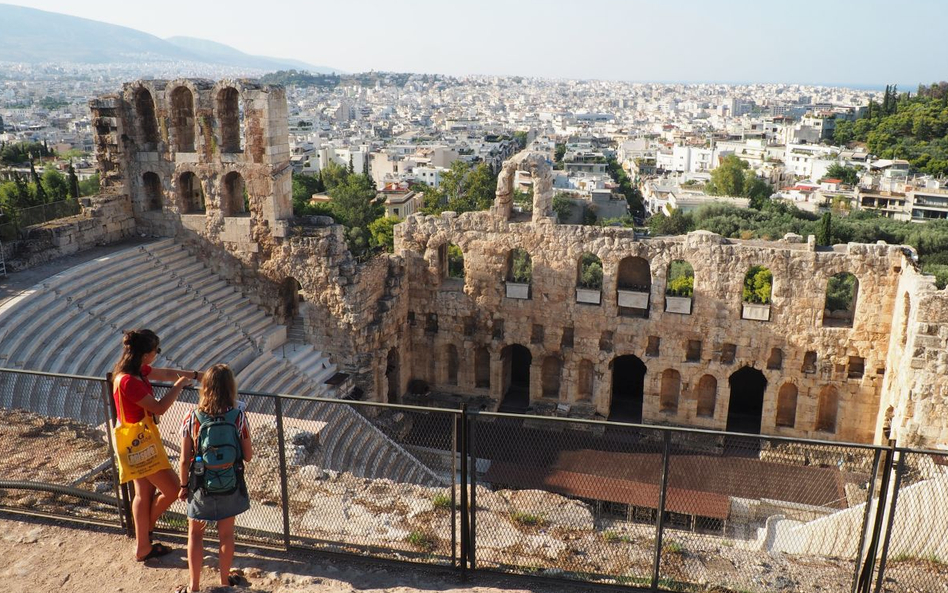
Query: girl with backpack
point(215, 444)
point(137, 408)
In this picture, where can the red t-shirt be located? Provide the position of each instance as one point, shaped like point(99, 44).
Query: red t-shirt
point(130, 391)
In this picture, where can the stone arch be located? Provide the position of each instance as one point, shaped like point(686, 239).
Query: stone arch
point(482, 368)
point(182, 119)
point(827, 409)
point(775, 361)
point(234, 196)
point(707, 396)
point(517, 362)
point(519, 266)
point(191, 193)
point(392, 376)
point(633, 286)
point(746, 404)
point(147, 120)
point(587, 378)
point(787, 405)
point(152, 191)
point(842, 292)
point(670, 391)
point(229, 117)
point(550, 376)
point(589, 272)
point(628, 388)
point(451, 365)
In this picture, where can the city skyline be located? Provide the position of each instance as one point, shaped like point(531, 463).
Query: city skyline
point(810, 44)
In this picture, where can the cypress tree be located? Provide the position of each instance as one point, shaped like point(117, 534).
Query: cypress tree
point(40, 192)
point(824, 235)
point(73, 182)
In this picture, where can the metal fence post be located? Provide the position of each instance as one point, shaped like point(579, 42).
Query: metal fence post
point(122, 492)
point(284, 489)
point(472, 509)
point(454, 482)
point(865, 519)
point(865, 577)
point(462, 441)
point(899, 472)
point(660, 523)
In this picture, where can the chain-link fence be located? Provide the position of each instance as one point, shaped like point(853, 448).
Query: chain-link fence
point(20, 219)
point(645, 506)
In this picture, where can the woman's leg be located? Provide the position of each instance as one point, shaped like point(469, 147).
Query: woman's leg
point(141, 515)
point(167, 482)
point(195, 552)
point(225, 532)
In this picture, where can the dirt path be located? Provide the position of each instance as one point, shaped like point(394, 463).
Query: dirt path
point(38, 555)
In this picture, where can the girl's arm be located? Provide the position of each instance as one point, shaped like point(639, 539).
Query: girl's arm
point(161, 406)
point(183, 469)
point(246, 447)
point(169, 375)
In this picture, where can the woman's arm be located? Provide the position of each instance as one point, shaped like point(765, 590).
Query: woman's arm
point(170, 375)
point(184, 468)
point(161, 406)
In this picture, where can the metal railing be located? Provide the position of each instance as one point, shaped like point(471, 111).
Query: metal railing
point(653, 507)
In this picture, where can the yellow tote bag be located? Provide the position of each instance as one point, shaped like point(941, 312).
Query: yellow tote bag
point(138, 448)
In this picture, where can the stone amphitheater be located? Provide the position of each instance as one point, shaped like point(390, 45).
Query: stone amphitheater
point(234, 277)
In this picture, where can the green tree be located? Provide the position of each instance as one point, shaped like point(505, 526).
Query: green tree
point(590, 272)
point(521, 138)
point(848, 175)
point(559, 151)
point(727, 179)
point(678, 223)
point(90, 186)
point(757, 285)
point(382, 231)
point(521, 268)
point(463, 188)
point(455, 261)
point(332, 175)
point(757, 190)
point(563, 208)
point(681, 279)
point(55, 185)
point(841, 292)
point(73, 182)
point(304, 186)
point(824, 235)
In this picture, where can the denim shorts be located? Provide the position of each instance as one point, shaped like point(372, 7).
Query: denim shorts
point(214, 507)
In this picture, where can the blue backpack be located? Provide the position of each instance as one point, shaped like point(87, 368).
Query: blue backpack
point(217, 440)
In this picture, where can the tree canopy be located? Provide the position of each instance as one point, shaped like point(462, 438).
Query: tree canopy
point(464, 188)
point(733, 177)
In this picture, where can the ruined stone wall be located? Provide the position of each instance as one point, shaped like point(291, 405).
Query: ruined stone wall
point(478, 314)
point(105, 218)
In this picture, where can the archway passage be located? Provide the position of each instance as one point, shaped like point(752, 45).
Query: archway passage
point(182, 118)
point(290, 292)
point(517, 362)
point(628, 387)
point(145, 107)
point(747, 400)
point(391, 375)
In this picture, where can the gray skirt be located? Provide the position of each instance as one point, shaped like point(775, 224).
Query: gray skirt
point(214, 507)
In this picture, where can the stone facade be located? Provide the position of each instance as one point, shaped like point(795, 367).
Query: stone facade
point(180, 155)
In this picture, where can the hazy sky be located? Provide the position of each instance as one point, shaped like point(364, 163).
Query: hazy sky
point(815, 41)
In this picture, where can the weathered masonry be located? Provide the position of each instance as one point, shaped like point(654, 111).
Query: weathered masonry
point(500, 304)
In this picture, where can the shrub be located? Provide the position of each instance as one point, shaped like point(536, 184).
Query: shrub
point(421, 540)
point(527, 519)
point(441, 501)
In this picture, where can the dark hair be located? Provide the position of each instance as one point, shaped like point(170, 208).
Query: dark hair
point(135, 345)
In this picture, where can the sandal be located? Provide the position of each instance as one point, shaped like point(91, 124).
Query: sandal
point(236, 579)
point(157, 551)
point(185, 589)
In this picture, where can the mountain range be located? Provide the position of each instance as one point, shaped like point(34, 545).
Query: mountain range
point(35, 36)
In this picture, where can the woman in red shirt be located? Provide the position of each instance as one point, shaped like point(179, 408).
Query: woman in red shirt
point(134, 398)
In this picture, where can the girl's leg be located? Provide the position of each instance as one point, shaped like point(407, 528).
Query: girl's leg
point(141, 515)
point(195, 552)
point(225, 531)
point(167, 482)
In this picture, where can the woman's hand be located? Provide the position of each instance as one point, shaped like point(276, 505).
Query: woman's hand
point(183, 382)
point(183, 494)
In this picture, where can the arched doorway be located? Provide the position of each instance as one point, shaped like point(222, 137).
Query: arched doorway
point(517, 362)
point(628, 387)
point(747, 400)
point(391, 375)
point(291, 297)
point(182, 118)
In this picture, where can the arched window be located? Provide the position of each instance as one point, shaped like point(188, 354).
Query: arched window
point(550, 379)
point(454, 267)
point(634, 285)
point(587, 377)
point(827, 409)
point(452, 365)
point(482, 368)
point(145, 109)
point(519, 274)
point(589, 279)
point(756, 293)
point(151, 186)
point(191, 193)
point(234, 197)
point(681, 279)
point(707, 396)
point(182, 119)
point(787, 405)
point(841, 292)
point(229, 116)
point(671, 389)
